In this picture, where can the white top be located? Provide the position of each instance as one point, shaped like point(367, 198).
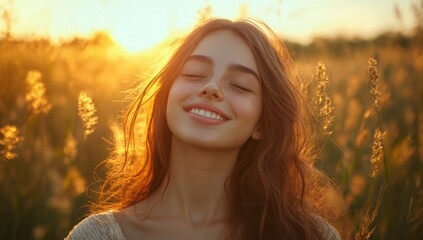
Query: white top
point(97, 227)
point(103, 226)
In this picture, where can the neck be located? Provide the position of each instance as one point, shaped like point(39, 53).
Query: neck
point(196, 188)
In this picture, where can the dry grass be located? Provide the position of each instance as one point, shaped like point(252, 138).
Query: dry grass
point(87, 113)
point(35, 96)
point(46, 118)
point(322, 100)
point(10, 138)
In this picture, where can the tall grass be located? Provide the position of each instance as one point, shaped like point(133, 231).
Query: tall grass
point(49, 145)
point(58, 104)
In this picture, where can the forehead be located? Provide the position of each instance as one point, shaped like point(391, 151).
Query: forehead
point(225, 47)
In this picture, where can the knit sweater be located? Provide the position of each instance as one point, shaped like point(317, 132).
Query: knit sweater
point(103, 226)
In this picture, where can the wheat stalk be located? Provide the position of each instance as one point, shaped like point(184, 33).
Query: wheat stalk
point(366, 227)
point(9, 141)
point(87, 113)
point(35, 96)
point(322, 101)
point(377, 152)
point(374, 83)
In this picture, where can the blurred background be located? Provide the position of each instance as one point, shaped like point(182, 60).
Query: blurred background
point(65, 67)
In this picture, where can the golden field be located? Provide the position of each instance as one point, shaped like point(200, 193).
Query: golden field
point(59, 104)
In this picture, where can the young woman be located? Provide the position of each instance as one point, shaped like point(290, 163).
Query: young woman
point(225, 153)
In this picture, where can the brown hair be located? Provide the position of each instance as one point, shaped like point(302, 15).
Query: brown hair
point(274, 189)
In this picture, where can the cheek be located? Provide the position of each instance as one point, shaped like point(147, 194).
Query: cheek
point(249, 108)
point(177, 93)
point(256, 113)
point(179, 89)
point(171, 101)
point(171, 105)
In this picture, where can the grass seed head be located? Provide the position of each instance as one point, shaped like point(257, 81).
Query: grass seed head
point(377, 152)
point(323, 102)
point(87, 113)
point(35, 96)
point(9, 140)
point(374, 83)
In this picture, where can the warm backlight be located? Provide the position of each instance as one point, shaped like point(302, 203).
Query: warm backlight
point(138, 39)
point(139, 25)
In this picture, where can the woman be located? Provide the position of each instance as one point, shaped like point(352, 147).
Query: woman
point(225, 154)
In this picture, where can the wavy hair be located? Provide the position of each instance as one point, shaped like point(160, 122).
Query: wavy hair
point(274, 190)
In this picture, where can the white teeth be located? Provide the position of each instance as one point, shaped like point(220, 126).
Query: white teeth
point(206, 113)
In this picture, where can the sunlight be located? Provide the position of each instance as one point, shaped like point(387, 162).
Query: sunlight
point(135, 30)
point(136, 41)
point(139, 25)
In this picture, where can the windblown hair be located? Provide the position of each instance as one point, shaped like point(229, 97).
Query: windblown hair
point(275, 191)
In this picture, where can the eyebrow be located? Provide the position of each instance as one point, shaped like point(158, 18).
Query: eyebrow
point(244, 69)
point(232, 67)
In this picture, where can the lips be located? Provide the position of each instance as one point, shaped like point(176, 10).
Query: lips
point(206, 111)
point(207, 114)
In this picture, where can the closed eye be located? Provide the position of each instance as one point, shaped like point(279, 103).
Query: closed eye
point(240, 88)
point(193, 76)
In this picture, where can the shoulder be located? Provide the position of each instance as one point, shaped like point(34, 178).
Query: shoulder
point(97, 226)
point(329, 231)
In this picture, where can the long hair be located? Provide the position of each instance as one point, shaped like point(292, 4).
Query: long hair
point(274, 190)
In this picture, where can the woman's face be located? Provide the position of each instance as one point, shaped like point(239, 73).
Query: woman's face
point(215, 102)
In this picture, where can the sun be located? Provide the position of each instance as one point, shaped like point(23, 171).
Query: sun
point(135, 40)
point(137, 25)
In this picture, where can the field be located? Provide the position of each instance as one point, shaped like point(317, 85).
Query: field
point(53, 137)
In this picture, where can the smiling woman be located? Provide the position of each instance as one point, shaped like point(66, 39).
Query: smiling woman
point(215, 80)
point(227, 152)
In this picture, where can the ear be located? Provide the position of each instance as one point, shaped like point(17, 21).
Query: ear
point(256, 135)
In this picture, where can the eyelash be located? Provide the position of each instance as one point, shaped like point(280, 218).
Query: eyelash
point(236, 86)
point(193, 76)
point(243, 89)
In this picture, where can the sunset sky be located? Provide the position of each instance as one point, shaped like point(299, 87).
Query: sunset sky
point(139, 24)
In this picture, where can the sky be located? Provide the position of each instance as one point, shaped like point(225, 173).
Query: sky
point(139, 24)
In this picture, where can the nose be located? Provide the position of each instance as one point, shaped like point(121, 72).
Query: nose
point(211, 90)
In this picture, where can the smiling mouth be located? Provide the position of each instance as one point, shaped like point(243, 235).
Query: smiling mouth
point(206, 114)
